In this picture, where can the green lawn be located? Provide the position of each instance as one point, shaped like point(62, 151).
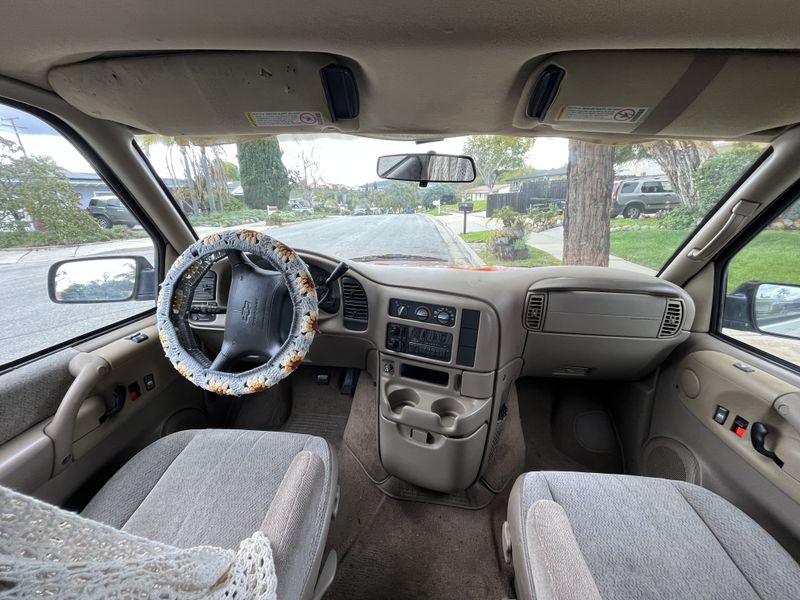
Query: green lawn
point(635, 222)
point(472, 237)
point(478, 205)
point(651, 247)
point(536, 257)
point(771, 256)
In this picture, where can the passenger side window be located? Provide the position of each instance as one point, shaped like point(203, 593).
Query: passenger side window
point(47, 215)
point(651, 187)
point(761, 306)
point(629, 187)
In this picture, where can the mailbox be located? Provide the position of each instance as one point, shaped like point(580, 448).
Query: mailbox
point(465, 206)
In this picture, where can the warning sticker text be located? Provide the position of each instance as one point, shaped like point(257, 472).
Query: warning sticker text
point(603, 114)
point(303, 118)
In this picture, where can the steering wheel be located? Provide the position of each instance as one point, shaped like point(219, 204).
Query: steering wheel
point(261, 304)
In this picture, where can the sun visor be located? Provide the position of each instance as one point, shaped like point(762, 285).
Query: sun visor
point(216, 93)
point(716, 95)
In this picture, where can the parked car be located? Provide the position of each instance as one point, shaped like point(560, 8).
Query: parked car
point(359, 211)
point(634, 197)
point(109, 211)
point(301, 208)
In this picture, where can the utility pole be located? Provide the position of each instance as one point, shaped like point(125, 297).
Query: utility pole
point(13, 125)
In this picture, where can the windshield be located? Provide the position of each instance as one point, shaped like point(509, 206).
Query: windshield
point(534, 202)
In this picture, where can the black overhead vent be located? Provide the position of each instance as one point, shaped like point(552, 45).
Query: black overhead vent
point(341, 91)
point(354, 305)
point(544, 91)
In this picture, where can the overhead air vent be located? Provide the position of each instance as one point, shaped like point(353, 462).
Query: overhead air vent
point(673, 318)
point(354, 305)
point(534, 311)
point(544, 92)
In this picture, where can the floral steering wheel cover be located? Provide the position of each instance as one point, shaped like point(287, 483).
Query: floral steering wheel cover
point(175, 298)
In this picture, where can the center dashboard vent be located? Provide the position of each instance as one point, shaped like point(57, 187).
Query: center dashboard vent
point(673, 318)
point(535, 305)
point(354, 305)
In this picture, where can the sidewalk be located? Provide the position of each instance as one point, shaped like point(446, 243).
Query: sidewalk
point(550, 240)
point(54, 253)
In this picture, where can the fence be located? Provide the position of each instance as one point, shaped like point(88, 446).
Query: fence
point(539, 193)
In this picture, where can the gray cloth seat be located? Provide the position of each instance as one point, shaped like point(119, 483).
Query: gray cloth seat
point(217, 487)
point(590, 536)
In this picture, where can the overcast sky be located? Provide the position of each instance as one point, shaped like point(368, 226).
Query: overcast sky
point(346, 160)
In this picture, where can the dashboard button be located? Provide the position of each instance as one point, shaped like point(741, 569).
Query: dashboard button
point(422, 313)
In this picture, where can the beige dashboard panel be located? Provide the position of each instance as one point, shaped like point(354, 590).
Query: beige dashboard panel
point(706, 379)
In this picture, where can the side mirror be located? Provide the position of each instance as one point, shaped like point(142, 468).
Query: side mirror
point(427, 168)
point(776, 309)
point(101, 279)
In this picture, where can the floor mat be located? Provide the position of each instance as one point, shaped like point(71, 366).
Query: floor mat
point(331, 427)
point(393, 549)
point(318, 409)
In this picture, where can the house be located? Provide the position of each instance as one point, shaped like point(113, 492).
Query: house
point(481, 192)
point(87, 185)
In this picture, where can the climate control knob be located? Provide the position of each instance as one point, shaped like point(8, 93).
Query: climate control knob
point(402, 310)
point(443, 317)
point(422, 313)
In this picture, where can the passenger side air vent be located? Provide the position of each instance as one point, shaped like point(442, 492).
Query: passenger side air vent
point(354, 305)
point(534, 311)
point(673, 318)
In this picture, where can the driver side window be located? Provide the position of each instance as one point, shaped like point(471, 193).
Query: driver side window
point(761, 308)
point(54, 206)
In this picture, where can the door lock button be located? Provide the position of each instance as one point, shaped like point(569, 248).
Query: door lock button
point(721, 415)
point(740, 426)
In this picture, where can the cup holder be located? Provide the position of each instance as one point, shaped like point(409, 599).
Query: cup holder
point(448, 409)
point(401, 398)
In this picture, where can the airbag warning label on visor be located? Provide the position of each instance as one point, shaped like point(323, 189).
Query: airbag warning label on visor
point(602, 114)
point(302, 118)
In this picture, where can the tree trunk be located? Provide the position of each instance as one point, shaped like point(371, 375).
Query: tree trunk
point(680, 159)
point(590, 174)
point(189, 175)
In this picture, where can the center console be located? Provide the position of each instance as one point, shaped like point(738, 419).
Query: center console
point(435, 400)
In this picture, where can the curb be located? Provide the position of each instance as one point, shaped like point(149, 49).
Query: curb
point(451, 239)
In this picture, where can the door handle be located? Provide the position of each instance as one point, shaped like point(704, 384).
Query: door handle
point(758, 433)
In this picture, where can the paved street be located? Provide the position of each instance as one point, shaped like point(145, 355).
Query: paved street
point(352, 237)
point(32, 322)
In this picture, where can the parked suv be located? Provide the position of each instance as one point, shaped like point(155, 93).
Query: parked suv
point(632, 197)
point(109, 211)
point(301, 208)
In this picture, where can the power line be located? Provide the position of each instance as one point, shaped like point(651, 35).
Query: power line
point(13, 125)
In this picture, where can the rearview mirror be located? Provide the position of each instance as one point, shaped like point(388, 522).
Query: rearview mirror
point(425, 168)
point(776, 309)
point(101, 279)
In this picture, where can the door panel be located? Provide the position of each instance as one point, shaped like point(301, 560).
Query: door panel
point(697, 378)
point(29, 462)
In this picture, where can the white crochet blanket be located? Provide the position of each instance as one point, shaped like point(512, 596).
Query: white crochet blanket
point(46, 551)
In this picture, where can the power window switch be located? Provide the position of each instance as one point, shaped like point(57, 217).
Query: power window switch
point(721, 415)
point(149, 382)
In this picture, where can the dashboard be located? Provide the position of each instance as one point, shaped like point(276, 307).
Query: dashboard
point(560, 321)
point(444, 346)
